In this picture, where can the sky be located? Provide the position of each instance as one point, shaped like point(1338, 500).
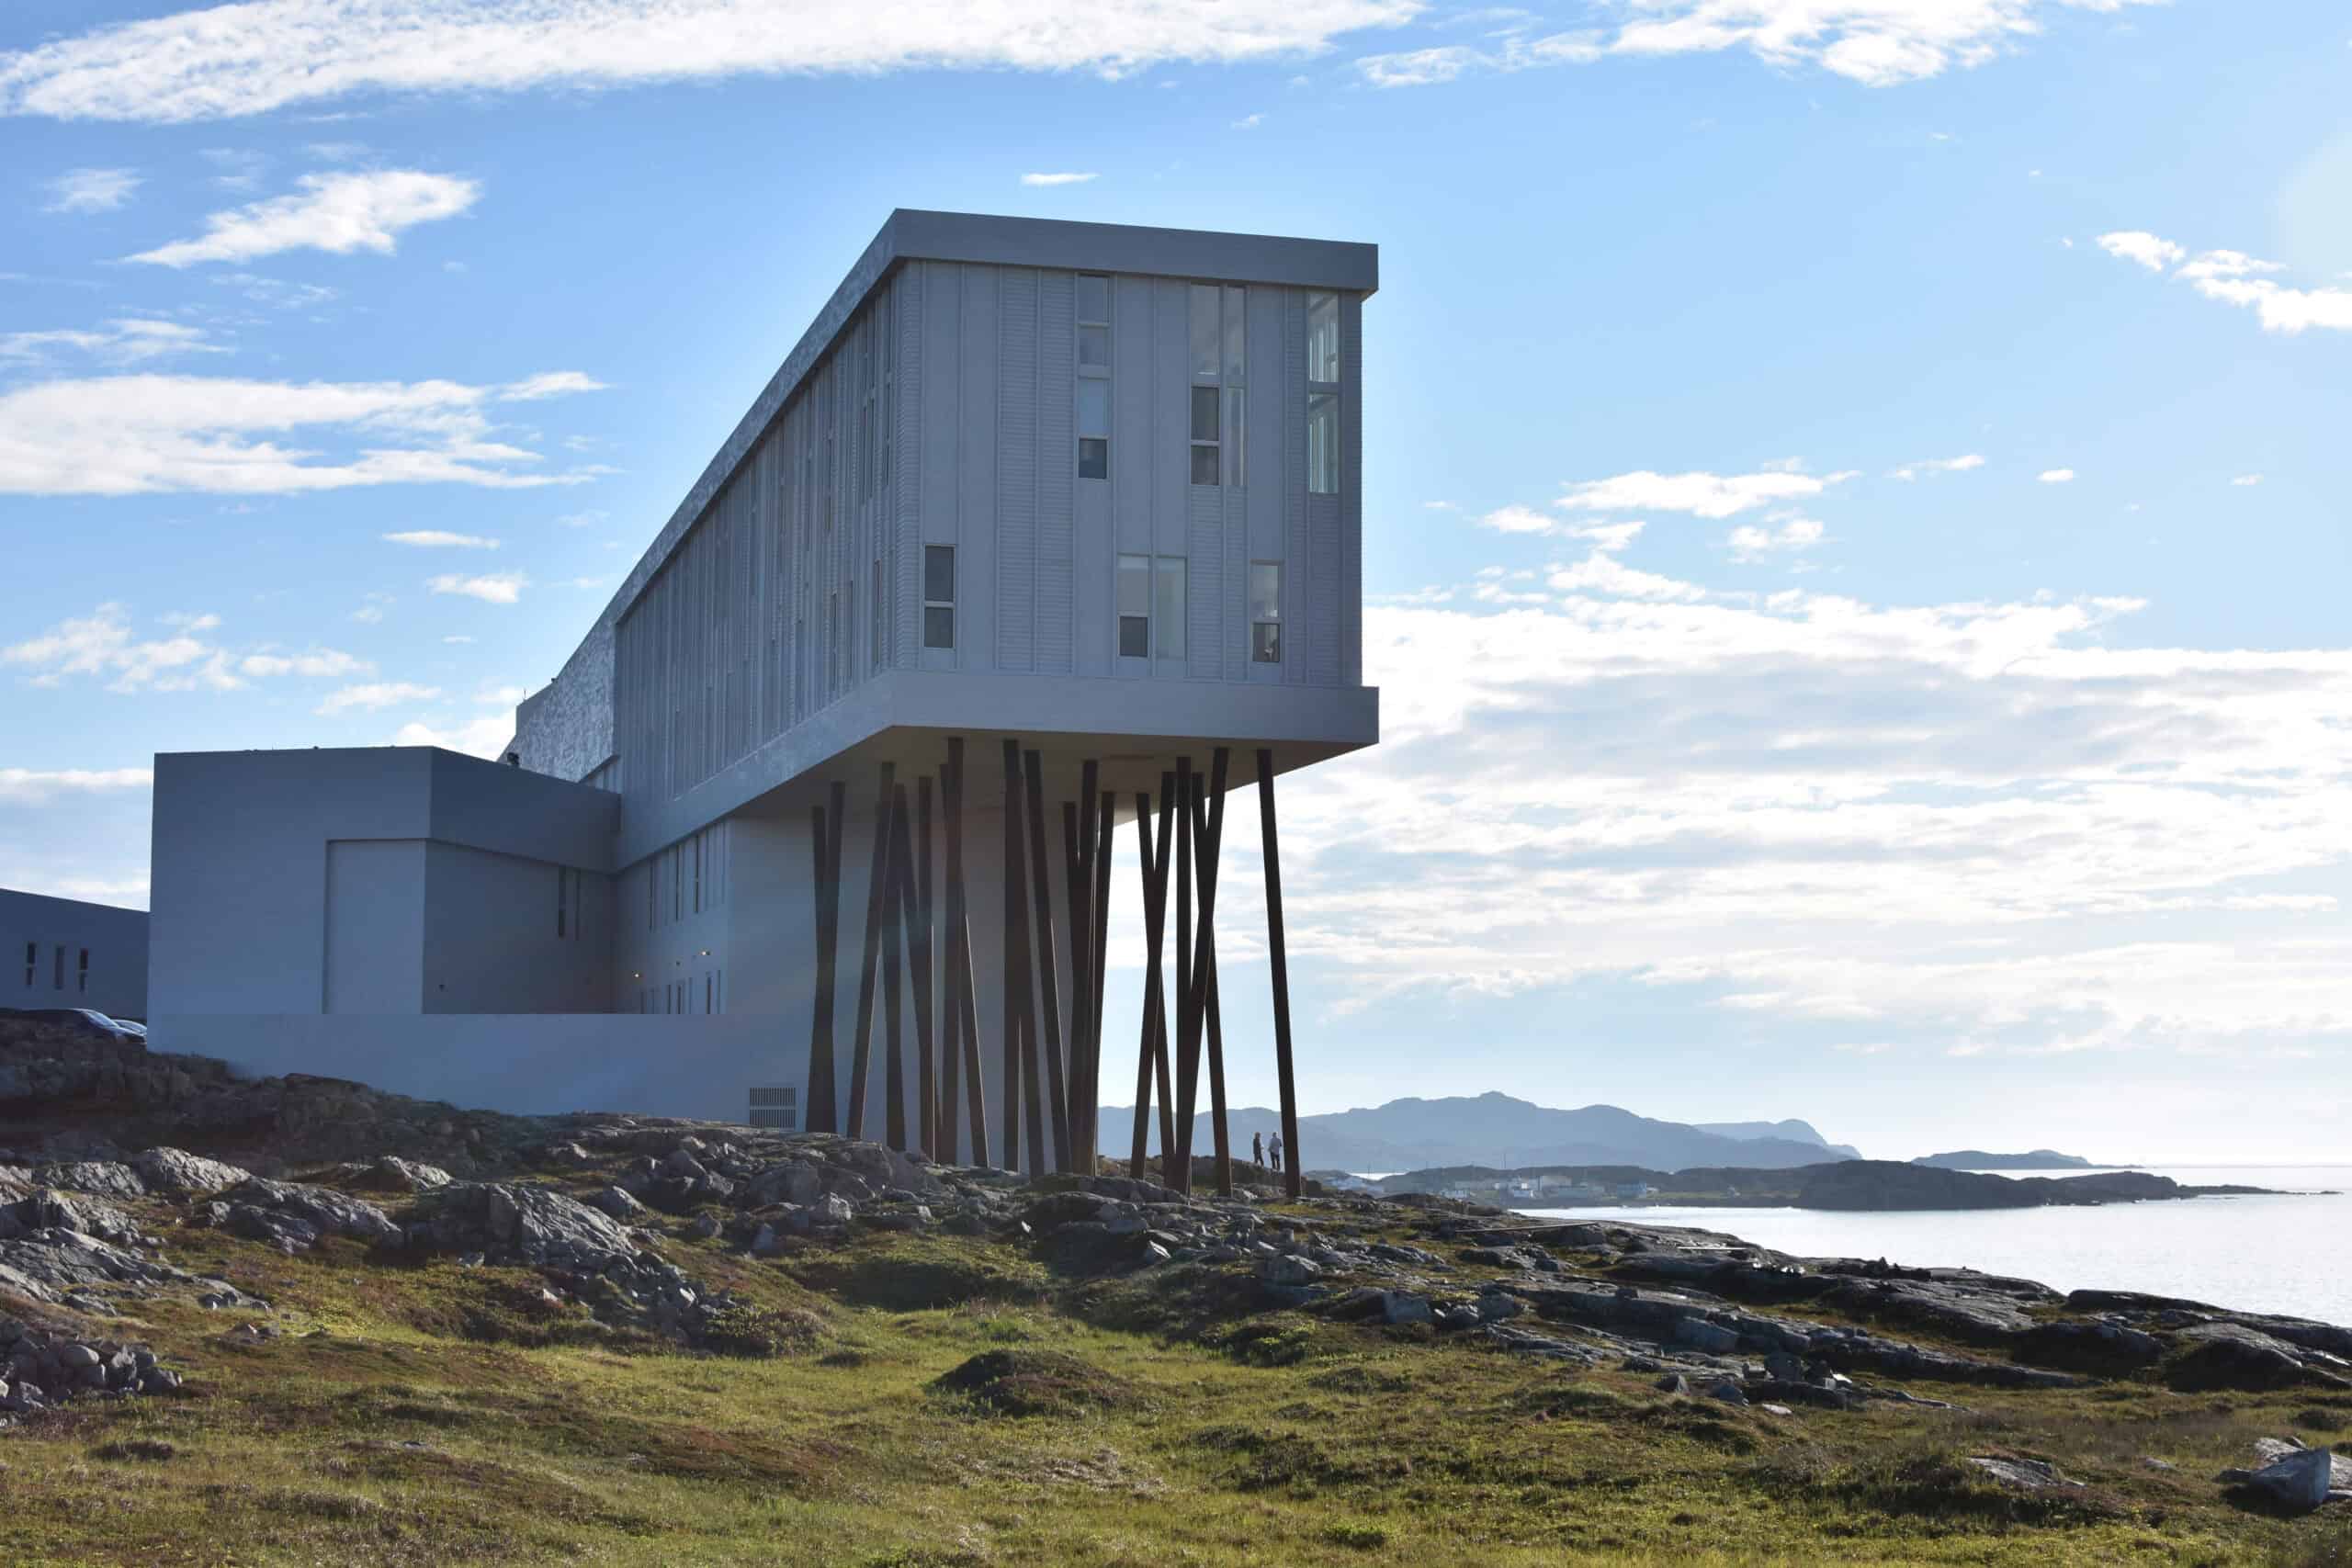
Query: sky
point(1854, 538)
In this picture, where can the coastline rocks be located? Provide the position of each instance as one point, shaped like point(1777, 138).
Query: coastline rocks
point(295, 1217)
point(178, 1172)
point(2231, 1356)
point(101, 1179)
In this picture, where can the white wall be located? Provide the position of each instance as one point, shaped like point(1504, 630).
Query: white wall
point(58, 931)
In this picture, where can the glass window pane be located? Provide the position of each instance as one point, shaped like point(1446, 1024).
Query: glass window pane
point(1135, 637)
point(1093, 407)
point(1265, 590)
point(1094, 297)
point(939, 573)
point(1204, 465)
point(1168, 608)
point(1093, 459)
point(1095, 348)
point(1233, 313)
point(1323, 443)
point(1205, 331)
point(938, 625)
point(1135, 585)
point(1323, 337)
point(1266, 642)
point(1204, 414)
point(1237, 443)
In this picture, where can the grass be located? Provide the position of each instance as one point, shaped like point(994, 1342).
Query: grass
point(927, 1400)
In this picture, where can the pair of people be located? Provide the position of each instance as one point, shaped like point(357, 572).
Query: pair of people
point(1261, 1148)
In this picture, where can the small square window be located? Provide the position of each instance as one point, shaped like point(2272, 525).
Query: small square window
point(1266, 642)
point(1204, 414)
point(1093, 458)
point(938, 625)
point(1095, 348)
point(939, 574)
point(1135, 637)
point(1094, 297)
point(1203, 464)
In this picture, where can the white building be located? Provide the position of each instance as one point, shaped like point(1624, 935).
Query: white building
point(61, 953)
point(1081, 504)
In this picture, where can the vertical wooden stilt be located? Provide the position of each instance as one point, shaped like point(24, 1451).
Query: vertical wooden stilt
point(1077, 874)
point(895, 882)
point(1049, 1002)
point(1150, 990)
point(1179, 1164)
point(962, 1025)
point(1159, 1001)
point(822, 1112)
point(932, 1125)
point(1020, 996)
point(877, 894)
point(1208, 820)
point(1105, 842)
point(1280, 958)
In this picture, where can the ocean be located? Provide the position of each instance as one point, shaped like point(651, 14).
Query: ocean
point(2283, 1255)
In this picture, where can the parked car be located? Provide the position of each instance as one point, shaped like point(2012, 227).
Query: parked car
point(88, 1022)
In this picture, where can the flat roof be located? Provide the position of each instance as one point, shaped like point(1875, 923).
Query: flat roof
point(910, 234)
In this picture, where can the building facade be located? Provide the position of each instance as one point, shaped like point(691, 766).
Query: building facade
point(62, 952)
point(1083, 499)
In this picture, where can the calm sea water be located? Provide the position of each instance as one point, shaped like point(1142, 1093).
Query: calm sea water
point(2285, 1255)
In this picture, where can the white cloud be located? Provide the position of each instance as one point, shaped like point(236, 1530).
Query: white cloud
point(1699, 494)
point(189, 65)
point(337, 213)
point(493, 588)
point(580, 519)
point(1750, 543)
point(2234, 277)
point(1932, 465)
point(32, 786)
point(605, 581)
point(548, 384)
point(89, 190)
point(1520, 520)
point(2056, 476)
point(2247, 479)
point(483, 737)
point(436, 538)
point(373, 694)
point(137, 434)
point(240, 169)
point(1876, 42)
point(127, 340)
point(1249, 122)
point(318, 662)
point(368, 615)
point(456, 637)
point(1062, 179)
point(105, 645)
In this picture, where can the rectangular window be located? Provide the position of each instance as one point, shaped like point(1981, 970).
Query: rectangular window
point(1095, 348)
point(1323, 443)
point(697, 873)
point(1204, 434)
point(32, 962)
point(57, 973)
point(1168, 608)
point(1093, 428)
point(1135, 606)
point(562, 902)
point(1323, 338)
point(1207, 341)
point(1237, 445)
point(1266, 612)
point(1236, 306)
point(881, 654)
point(1093, 458)
point(1094, 372)
point(708, 983)
point(82, 972)
point(1093, 298)
point(939, 596)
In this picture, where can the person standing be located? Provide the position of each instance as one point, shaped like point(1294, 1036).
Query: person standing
point(1258, 1149)
point(1274, 1151)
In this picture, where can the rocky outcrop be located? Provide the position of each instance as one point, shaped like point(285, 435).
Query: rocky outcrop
point(179, 1173)
point(40, 1368)
point(295, 1217)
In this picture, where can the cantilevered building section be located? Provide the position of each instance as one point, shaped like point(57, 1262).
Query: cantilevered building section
point(1063, 518)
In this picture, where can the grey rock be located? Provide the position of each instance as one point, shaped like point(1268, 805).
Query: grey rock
point(2300, 1479)
point(616, 1203)
point(1153, 1253)
point(1728, 1392)
point(102, 1179)
point(2025, 1474)
point(1284, 1270)
point(1673, 1382)
point(1701, 1335)
point(392, 1174)
point(187, 1175)
point(1402, 1306)
point(296, 1216)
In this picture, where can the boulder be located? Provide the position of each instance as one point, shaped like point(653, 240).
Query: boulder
point(2232, 1356)
point(786, 1181)
point(177, 1171)
point(1280, 1270)
point(389, 1173)
point(2025, 1474)
point(102, 1179)
point(2300, 1481)
point(297, 1216)
point(616, 1203)
point(1402, 1306)
point(1700, 1334)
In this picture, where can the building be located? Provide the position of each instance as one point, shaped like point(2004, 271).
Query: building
point(1632, 1190)
point(61, 953)
point(1041, 526)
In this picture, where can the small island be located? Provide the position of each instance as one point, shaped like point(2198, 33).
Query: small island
point(1978, 1159)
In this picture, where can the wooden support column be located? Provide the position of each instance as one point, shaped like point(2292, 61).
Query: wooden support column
point(1208, 810)
point(1155, 884)
point(1280, 959)
point(920, 947)
point(1020, 996)
point(1078, 868)
point(822, 1114)
point(1049, 1003)
point(877, 894)
point(1105, 842)
point(961, 1020)
point(1177, 1164)
point(894, 924)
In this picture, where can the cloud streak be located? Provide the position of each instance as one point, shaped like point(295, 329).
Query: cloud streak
point(336, 213)
point(90, 190)
point(2234, 278)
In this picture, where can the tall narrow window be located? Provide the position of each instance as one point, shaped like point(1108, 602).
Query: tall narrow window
point(1093, 392)
point(697, 873)
point(1135, 606)
point(1168, 608)
point(939, 596)
point(1208, 340)
point(881, 642)
point(1236, 303)
point(82, 972)
point(1236, 430)
point(1204, 432)
point(32, 962)
point(57, 973)
point(1323, 443)
point(1266, 612)
point(562, 902)
point(1323, 338)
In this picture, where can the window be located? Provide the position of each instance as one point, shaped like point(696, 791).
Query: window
point(1204, 434)
point(82, 972)
point(1093, 428)
point(777, 1106)
point(1135, 606)
point(562, 902)
point(1235, 438)
point(1266, 612)
point(1168, 608)
point(57, 971)
point(708, 983)
point(1323, 443)
point(32, 962)
point(1206, 339)
point(1323, 338)
point(939, 596)
point(1236, 300)
point(881, 642)
point(1093, 377)
point(697, 873)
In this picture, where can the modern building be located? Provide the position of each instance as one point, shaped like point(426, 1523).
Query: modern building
point(61, 953)
point(1078, 504)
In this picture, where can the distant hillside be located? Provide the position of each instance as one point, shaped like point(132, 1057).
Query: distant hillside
point(1491, 1129)
point(1793, 1130)
point(1977, 1159)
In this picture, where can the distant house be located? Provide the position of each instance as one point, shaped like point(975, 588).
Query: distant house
point(1457, 1191)
point(1523, 1187)
point(1632, 1190)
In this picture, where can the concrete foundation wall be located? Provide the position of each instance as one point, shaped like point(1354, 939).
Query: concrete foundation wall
point(42, 941)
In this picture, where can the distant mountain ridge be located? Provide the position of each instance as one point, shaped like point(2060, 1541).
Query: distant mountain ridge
point(1978, 1159)
point(1792, 1129)
point(1494, 1129)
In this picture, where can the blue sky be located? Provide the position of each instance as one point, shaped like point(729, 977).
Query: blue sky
point(1853, 486)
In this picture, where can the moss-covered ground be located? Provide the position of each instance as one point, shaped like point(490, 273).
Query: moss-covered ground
point(431, 1413)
